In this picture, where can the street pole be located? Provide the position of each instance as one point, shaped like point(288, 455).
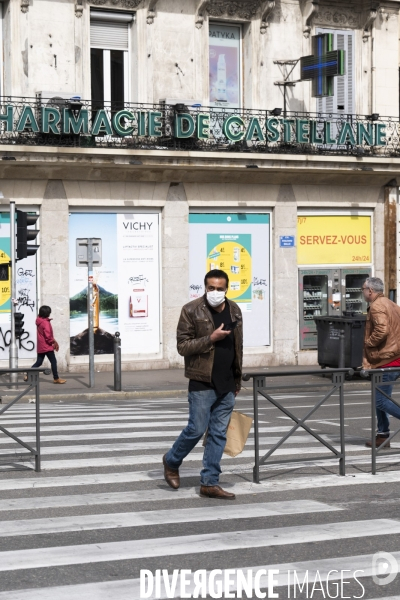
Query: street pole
point(13, 356)
point(90, 311)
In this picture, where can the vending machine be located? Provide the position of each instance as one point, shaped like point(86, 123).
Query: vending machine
point(328, 292)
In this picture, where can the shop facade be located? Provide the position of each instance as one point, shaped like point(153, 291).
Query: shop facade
point(180, 174)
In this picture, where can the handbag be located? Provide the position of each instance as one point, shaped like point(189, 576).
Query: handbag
point(236, 434)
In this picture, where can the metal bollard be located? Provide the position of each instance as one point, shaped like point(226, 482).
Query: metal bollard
point(341, 349)
point(117, 362)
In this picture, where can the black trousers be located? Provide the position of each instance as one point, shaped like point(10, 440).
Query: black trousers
point(53, 361)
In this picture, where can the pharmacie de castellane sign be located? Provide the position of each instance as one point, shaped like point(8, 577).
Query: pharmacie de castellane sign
point(147, 123)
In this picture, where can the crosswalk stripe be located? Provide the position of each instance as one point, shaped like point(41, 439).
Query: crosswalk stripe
point(150, 419)
point(135, 434)
point(152, 495)
point(160, 517)
point(140, 476)
point(83, 463)
point(131, 446)
point(72, 410)
point(77, 427)
point(194, 544)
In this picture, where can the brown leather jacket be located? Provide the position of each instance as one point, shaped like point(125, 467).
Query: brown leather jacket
point(193, 340)
point(382, 333)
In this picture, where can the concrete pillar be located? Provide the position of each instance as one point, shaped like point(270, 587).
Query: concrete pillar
point(54, 268)
point(175, 252)
point(285, 290)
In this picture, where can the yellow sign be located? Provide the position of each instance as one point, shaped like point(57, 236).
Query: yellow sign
point(333, 240)
point(5, 286)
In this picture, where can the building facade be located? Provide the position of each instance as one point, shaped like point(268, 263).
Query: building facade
point(185, 135)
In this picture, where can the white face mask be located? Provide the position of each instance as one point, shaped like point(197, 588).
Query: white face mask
point(215, 298)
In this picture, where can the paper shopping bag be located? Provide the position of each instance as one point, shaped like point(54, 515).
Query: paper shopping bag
point(236, 434)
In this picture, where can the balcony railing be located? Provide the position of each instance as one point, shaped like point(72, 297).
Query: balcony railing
point(82, 124)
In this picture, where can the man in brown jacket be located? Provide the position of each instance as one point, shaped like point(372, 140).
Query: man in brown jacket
point(382, 350)
point(210, 337)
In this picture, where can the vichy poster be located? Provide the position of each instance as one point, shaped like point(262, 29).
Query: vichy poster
point(126, 285)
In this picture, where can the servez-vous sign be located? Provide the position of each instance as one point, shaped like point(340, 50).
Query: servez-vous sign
point(141, 123)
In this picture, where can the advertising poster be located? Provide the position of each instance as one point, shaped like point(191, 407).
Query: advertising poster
point(331, 240)
point(138, 283)
point(224, 52)
point(26, 297)
point(232, 254)
point(129, 273)
point(238, 244)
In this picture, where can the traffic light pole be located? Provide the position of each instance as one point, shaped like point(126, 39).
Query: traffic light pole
point(90, 311)
point(13, 356)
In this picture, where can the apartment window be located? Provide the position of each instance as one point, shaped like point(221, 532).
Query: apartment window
point(225, 66)
point(109, 58)
point(343, 99)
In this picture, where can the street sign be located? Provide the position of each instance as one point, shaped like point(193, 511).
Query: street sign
point(88, 254)
point(82, 252)
point(286, 241)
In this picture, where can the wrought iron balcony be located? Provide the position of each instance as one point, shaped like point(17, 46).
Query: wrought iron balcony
point(85, 124)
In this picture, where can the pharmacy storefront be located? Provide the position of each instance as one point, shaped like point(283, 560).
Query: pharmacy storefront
point(174, 191)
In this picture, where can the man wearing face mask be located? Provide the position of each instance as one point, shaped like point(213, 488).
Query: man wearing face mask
point(210, 337)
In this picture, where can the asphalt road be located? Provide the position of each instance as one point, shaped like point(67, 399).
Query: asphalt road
point(100, 512)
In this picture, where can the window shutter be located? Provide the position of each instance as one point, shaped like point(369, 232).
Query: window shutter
point(342, 102)
point(109, 30)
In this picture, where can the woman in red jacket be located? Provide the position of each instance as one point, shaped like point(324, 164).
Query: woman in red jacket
point(46, 344)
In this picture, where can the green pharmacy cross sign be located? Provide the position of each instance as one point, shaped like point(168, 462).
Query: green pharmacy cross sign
point(323, 65)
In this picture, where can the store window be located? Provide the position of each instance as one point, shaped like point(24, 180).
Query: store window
point(109, 58)
point(334, 253)
point(225, 66)
point(343, 99)
point(126, 286)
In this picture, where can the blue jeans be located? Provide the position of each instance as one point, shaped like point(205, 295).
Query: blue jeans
point(206, 409)
point(384, 406)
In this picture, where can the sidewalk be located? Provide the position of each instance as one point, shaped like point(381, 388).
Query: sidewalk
point(163, 383)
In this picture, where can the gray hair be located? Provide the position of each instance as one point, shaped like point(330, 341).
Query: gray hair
point(375, 284)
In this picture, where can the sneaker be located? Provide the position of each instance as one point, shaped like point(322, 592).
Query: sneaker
point(60, 380)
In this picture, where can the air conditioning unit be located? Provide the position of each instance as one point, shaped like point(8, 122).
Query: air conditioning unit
point(53, 97)
point(59, 100)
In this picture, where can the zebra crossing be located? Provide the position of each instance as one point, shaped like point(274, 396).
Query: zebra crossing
point(99, 522)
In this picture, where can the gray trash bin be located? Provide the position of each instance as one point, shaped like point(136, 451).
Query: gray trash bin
point(328, 336)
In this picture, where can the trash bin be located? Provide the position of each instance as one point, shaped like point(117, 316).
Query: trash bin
point(329, 347)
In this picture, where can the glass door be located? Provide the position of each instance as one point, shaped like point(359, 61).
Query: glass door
point(313, 303)
point(315, 296)
point(354, 300)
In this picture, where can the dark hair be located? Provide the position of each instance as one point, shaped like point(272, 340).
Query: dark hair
point(44, 311)
point(216, 273)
